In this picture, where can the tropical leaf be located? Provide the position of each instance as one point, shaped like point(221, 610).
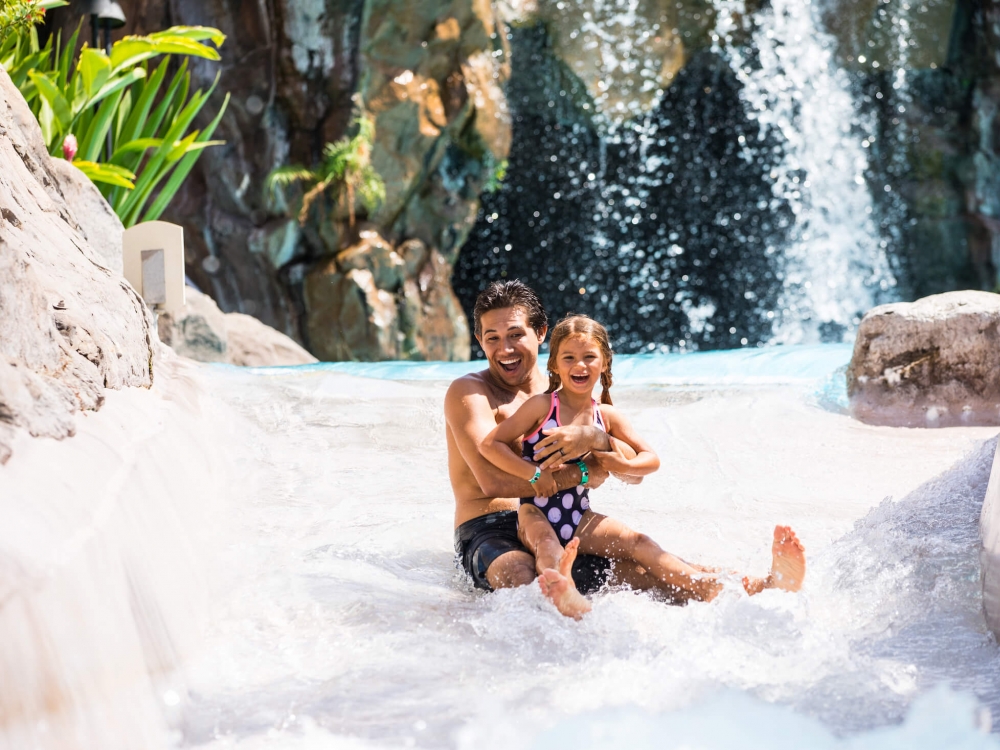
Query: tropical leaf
point(50, 92)
point(123, 100)
point(185, 166)
point(94, 70)
point(195, 33)
point(108, 174)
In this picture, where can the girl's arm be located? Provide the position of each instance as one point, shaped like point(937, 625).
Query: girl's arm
point(645, 462)
point(496, 447)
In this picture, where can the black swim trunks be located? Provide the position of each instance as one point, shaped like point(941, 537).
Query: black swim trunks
point(482, 540)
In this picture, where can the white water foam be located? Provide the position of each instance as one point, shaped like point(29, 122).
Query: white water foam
point(835, 265)
point(339, 620)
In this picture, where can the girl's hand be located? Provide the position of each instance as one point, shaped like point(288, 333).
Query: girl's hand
point(545, 485)
point(611, 461)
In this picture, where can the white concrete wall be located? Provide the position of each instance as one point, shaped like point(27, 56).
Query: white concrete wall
point(989, 527)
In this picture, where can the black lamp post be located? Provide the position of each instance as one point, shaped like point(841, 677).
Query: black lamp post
point(106, 14)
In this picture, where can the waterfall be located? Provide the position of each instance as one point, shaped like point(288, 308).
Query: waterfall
point(703, 184)
point(835, 265)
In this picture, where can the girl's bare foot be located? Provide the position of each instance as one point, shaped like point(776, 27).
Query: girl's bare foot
point(788, 564)
point(788, 560)
point(558, 586)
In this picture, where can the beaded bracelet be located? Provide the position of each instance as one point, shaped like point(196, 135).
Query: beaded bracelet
point(584, 473)
point(538, 474)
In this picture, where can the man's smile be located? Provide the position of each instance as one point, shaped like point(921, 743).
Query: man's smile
point(509, 364)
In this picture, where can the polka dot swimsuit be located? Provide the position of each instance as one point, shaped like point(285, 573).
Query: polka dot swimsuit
point(564, 509)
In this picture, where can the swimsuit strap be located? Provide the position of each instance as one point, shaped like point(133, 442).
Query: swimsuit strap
point(598, 417)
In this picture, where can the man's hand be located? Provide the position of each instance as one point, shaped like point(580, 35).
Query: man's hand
point(597, 475)
point(562, 444)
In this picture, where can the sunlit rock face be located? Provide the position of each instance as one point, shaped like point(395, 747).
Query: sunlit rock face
point(625, 55)
point(433, 83)
point(374, 301)
point(70, 326)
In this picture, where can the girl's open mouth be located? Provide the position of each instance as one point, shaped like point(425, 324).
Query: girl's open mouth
point(579, 379)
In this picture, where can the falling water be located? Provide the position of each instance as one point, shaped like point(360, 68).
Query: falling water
point(690, 194)
point(834, 263)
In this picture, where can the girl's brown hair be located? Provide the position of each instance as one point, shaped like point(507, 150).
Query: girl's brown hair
point(580, 325)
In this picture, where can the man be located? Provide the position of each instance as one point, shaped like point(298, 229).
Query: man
point(510, 325)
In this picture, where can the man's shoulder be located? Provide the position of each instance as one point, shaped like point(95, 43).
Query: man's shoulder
point(475, 383)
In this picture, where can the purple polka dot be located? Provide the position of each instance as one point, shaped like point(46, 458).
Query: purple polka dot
point(566, 532)
point(577, 515)
point(555, 515)
point(585, 503)
point(541, 502)
point(568, 500)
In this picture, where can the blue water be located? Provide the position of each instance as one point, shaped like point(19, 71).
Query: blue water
point(771, 365)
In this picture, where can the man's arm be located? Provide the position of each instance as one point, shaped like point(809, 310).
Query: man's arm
point(470, 418)
point(568, 443)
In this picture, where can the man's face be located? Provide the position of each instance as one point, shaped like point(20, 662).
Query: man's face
point(510, 344)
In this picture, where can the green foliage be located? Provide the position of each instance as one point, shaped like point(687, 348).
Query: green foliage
point(345, 171)
point(19, 16)
point(496, 176)
point(146, 112)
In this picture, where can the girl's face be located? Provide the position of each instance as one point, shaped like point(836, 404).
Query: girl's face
point(579, 364)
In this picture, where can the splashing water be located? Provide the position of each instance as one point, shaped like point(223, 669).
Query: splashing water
point(835, 265)
point(319, 508)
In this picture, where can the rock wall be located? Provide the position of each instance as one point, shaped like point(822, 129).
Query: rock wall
point(935, 153)
point(432, 80)
point(70, 325)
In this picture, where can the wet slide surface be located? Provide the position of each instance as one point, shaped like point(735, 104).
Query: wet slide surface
point(344, 622)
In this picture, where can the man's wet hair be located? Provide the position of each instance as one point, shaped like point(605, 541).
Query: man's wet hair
point(512, 293)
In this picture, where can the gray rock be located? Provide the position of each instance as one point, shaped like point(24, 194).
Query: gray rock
point(206, 334)
point(930, 363)
point(250, 343)
point(69, 325)
point(200, 333)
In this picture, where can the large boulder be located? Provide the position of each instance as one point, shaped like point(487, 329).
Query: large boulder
point(70, 325)
point(379, 302)
point(930, 363)
point(206, 334)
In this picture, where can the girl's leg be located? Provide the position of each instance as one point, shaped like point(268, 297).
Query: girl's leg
point(537, 534)
point(553, 562)
point(600, 535)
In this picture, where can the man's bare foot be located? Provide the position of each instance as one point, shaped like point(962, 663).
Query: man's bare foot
point(788, 561)
point(558, 586)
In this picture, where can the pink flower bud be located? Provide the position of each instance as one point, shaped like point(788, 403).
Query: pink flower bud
point(70, 147)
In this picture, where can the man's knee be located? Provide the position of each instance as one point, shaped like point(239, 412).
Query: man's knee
point(511, 569)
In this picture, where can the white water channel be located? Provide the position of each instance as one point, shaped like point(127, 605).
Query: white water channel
point(263, 559)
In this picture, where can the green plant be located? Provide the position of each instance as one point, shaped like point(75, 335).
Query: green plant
point(147, 115)
point(18, 16)
point(346, 171)
point(497, 173)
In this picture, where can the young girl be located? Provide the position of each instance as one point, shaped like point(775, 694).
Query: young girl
point(554, 525)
